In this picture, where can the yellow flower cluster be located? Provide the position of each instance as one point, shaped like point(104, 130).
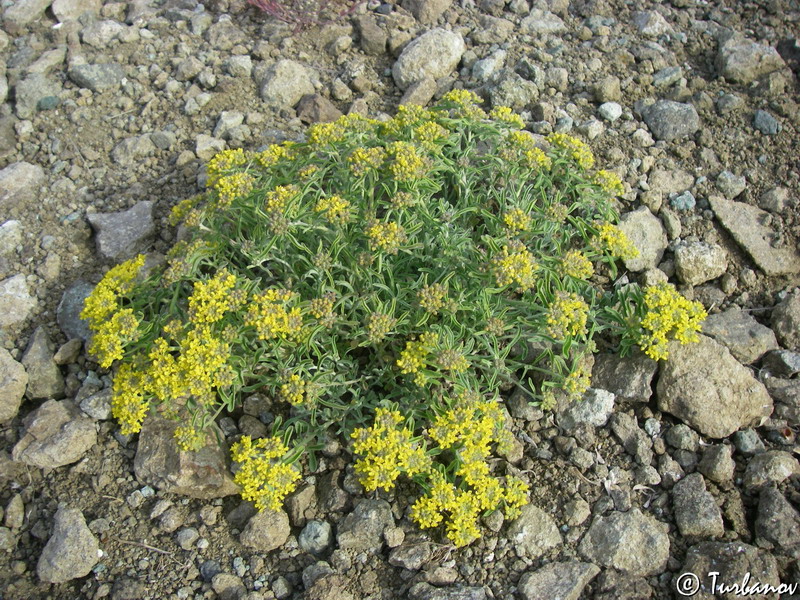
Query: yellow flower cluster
point(507, 116)
point(515, 265)
point(609, 182)
point(567, 316)
point(432, 297)
point(322, 134)
point(211, 299)
point(322, 308)
point(277, 199)
point(230, 187)
point(111, 336)
point(129, 404)
point(517, 219)
point(470, 429)
point(403, 200)
point(414, 356)
point(407, 115)
point(264, 479)
point(407, 164)
point(429, 134)
point(189, 438)
point(183, 208)
point(335, 208)
point(364, 160)
point(105, 297)
point(575, 264)
point(379, 325)
point(386, 236)
point(294, 390)
point(577, 150)
point(276, 153)
point(466, 104)
point(537, 159)
point(268, 313)
point(613, 240)
point(224, 161)
point(452, 360)
point(669, 316)
point(387, 451)
point(521, 141)
point(578, 380)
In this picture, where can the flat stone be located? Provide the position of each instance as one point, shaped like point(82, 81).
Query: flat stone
point(534, 532)
point(45, 379)
point(54, 435)
point(16, 302)
point(777, 525)
point(69, 310)
point(744, 222)
point(777, 200)
point(362, 530)
point(542, 22)
point(13, 380)
point(650, 23)
point(315, 537)
point(730, 184)
point(434, 54)
point(206, 146)
point(698, 262)
point(316, 108)
point(266, 531)
point(373, 38)
point(419, 93)
point(97, 77)
point(29, 92)
point(593, 409)
point(773, 466)
point(732, 562)
point(513, 91)
point(561, 580)
point(708, 389)
point(741, 60)
point(133, 149)
point(202, 474)
point(284, 84)
point(631, 541)
point(766, 123)
point(100, 34)
point(425, 591)
point(737, 330)
point(628, 377)
point(70, 10)
point(647, 233)
point(22, 13)
point(696, 512)
point(786, 321)
point(71, 551)
point(411, 556)
point(427, 12)
point(122, 235)
point(717, 463)
point(19, 182)
point(669, 120)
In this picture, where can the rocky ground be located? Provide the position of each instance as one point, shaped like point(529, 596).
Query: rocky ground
point(108, 113)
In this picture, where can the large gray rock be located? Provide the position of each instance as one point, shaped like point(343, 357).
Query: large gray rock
point(97, 77)
point(54, 435)
point(717, 463)
point(122, 235)
point(70, 10)
point(628, 377)
point(101, 33)
point(747, 339)
point(777, 524)
point(534, 532)
point(133, 149)
point(731, 562)
point(542, 22)
point(631, 541)
point(512, 90)
point(45, 379)
point(557, 581)
point(741, 60)
point(706, 387)
point(362, 530)
point(786, 321)
point(647, 233)
point(69, 310)
point(16, 302)
point(316, 537)
point(22, 13)
point(593, 409)
point(29, 91)
point(426, 591)
point(696, 512)
point(427, 12)
point(19, 182)
point(744, 222)
point(13, 380)
point(160, 463)
point(669, 120)
point(772, 467)
point(698, 262)
point(284, 84)
point(650, 23)
point(266, 531)
point(71, 551)
point(433, 54)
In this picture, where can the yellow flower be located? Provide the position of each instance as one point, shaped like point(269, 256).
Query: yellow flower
point(517, 220)
point(452, 360)
point(189, 439)
point(567, 316)
point(413, 358)
point(669, 316)
point(129, 405)
point(432, 297)
point(223, 162)
point(264, 479)
point(386, 236)
point(364, 160)
point(379, 325)
point(515, 266)
point(110, 337)
point(466, 104)
point(505, 115)
point(294, 390)
point(277, 199)
point(429, 134)
point(211, 299)
point(335, 208)
point(276, 153)
point(575, 149)
point(407, 164)
point(609, 182)
point(613, 240)
point(104, 299)
point(230, 187)
point(578, 380)
point(575, 264)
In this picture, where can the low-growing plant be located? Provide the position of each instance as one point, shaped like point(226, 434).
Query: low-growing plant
point(385, 281)
point(302, 14)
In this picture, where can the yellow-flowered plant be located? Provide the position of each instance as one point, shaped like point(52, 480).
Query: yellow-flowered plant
point(390, 282)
